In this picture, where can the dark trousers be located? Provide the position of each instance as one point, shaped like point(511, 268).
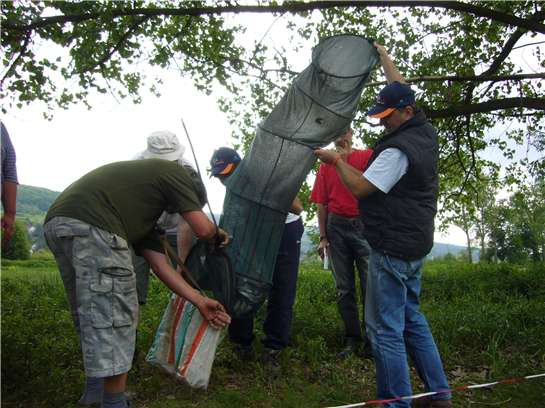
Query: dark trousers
point(278, 318)
point(347, 247)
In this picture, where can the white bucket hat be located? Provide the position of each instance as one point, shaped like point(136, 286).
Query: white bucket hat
point(165, 145)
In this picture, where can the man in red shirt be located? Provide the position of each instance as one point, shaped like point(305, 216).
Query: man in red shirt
point(341, 235)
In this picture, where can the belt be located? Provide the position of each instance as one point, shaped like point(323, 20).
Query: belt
point(340, 219)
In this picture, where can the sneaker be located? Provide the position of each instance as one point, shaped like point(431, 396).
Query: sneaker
point(244, 353)
point(351, 348)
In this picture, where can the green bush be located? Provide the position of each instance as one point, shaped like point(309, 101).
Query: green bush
point(19, 246)
point(42, 255)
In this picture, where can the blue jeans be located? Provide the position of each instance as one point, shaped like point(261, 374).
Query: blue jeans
point(396, 327)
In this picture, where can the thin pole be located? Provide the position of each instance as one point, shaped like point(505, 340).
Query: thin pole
point(199, 171)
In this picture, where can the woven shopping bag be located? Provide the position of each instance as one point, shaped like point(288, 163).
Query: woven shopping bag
point(185, 344)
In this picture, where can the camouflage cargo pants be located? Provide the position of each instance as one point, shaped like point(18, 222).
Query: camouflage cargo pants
point(100, 284)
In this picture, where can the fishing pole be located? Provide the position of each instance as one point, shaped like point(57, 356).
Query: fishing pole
point(198, 170)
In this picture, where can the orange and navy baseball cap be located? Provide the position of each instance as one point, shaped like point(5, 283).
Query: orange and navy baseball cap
point(391, 97)
point(224, 161)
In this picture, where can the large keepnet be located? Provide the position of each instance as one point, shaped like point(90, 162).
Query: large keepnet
point(319, 105)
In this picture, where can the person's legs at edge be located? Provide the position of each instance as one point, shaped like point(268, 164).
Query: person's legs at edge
point(419, 340)
point(385, 322)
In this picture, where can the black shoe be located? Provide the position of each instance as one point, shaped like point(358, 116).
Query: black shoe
point(270, 358)
point(244, 353)
point(367, 351)
point(351, 348)
point(427, 402)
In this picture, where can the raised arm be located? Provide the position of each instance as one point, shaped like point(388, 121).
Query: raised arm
point(390, 70)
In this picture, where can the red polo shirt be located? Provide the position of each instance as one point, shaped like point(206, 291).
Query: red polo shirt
point(330, 191)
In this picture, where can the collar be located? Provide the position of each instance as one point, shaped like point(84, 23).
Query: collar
point(418, 119)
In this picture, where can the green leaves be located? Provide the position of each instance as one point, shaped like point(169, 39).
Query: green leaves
point(60, 53)
point(105, 45)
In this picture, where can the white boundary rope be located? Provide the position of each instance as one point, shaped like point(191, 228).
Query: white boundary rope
point(427, 394)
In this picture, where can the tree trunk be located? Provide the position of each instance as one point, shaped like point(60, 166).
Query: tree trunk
point(466, 231)
point(469, 255)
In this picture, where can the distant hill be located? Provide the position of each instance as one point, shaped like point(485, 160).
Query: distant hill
point(33, 202)
point(32, 205)
point(440, 249)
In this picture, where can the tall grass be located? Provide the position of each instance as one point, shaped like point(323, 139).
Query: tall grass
point(488, 321)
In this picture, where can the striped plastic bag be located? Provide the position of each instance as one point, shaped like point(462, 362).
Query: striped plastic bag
point(185, 343)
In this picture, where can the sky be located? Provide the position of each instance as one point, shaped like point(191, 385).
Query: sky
point(54, 153)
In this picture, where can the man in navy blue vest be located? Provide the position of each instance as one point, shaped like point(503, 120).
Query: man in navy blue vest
point(398, 195)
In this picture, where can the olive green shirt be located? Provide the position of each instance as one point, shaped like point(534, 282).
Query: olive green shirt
point(127, 198)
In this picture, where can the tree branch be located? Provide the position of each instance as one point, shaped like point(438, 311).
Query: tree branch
point(107, 55)
point(16, 60)
point(471, 78)
point(291, 7)
point(485, 107)
point(508, 46)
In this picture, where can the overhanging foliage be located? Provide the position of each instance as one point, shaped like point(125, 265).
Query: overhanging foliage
point(462, 57)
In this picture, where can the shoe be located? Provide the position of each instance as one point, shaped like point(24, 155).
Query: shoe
point(270, 358)
point(427, 402)
point(351, 348)
point(244, 353)
point(130, 395)
point(423, 402)
point(367, 351)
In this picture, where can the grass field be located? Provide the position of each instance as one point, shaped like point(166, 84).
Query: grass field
point(488, 321)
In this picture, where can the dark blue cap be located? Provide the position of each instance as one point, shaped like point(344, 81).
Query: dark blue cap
point(223, 161)
point(393, 96)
